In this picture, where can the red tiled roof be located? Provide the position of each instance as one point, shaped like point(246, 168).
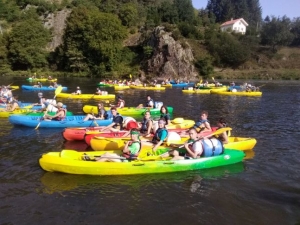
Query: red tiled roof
point(233, 21)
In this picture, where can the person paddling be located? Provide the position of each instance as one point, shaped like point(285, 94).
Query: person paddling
point(101, 115)
point(117, 121)
point(130, 151)
point(120, 104)
point(60, 114)
point(149, 103)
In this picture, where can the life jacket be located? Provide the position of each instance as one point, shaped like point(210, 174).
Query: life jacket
point(62, 117)
point(119, 103)
point(158, 133)
point(211, 147)
point(148, 103)
point(102, 112)
point(144, 123)
point(198, 124)
point(166, 117)
point(120, 123)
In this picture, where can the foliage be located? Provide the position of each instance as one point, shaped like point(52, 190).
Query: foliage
point(276, 32)
point(227, 50)
point(185, 10)
point(147, 50)
point(204, 66)
point(128, 14)
point(9, 11)
point(189, 31)
point(93, 40)
point(295, 30)
point(26, 45)
point(224, 10)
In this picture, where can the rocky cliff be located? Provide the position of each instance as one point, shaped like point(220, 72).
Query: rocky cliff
point(169, 58)
point(56, 22)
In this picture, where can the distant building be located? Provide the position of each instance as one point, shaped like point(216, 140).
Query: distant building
point(237, 26)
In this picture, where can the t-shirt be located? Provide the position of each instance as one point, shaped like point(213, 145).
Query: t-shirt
point(134, 148)
point(197, 148)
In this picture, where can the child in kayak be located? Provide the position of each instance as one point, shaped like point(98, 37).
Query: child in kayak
point(130, 152)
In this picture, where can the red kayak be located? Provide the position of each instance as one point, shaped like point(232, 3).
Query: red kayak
point(77, 133)
point(89, 135)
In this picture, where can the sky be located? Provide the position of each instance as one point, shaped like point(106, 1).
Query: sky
point(290, 8)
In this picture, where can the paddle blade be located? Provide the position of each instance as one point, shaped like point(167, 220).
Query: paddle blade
point(58, 90)
point(219, 131)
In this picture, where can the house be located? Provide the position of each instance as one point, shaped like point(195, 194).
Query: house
point(237, 26)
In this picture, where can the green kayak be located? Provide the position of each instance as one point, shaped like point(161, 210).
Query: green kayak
point(127, 111)
point(68, 161)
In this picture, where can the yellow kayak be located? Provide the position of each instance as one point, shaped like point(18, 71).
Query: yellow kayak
point(157, 87)
point(85, 96)
point(41, 79)
point(102, 143)
point(119, 87)
point(68, 161)
point(167, 85)
point(197, 91)
point(180, 123)
point(237, 93)
point(14, 87)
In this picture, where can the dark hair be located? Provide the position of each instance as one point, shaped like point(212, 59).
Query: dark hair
point(113, 108)
point(204, 112)
point(222, 121)
point(165, 109)
point(148, 112)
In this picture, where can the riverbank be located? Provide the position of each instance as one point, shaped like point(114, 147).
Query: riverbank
point(220, 74)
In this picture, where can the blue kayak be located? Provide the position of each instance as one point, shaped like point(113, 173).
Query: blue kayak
point(27, 105)
point(69, 121)
point(182, 84)
point(45, 88)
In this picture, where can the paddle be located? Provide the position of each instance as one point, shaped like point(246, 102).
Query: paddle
point(94, 121)
point(219, 131)
point(57, 91)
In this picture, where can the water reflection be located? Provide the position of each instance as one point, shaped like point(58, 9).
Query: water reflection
point(59, 182)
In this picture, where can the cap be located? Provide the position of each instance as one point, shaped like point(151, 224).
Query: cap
point(78, 87)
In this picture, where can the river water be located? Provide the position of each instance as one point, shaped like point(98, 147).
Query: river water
point(263, 189)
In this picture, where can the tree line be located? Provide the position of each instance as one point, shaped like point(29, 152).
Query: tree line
point(96, 29)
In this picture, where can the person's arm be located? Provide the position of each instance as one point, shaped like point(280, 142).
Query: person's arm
point(197, 149)
point(60, 113)
point(150, 125)
point(126, 149)
point(109, 126)
point(225, 138)
point(157, 145)
point(164, 135)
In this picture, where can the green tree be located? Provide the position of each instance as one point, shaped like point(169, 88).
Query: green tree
point(185, 10)
point(168, 12)
point(296, 31)
point(27, 45)
point(205, 67)
point(227, 50)
point(276, 32)
point(128, 14)
point(94, 40)
point(9, 11)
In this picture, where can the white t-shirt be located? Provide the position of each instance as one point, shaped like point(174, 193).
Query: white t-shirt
point(198, 148)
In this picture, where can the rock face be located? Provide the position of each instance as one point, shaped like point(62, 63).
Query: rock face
point(169, 58)
point(56, 21)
